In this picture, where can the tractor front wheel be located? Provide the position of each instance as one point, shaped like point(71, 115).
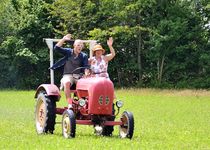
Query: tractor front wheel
point(126, 129)
point(107, 130)
point(68, 124)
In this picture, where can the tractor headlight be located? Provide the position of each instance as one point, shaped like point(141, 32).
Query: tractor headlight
point(119, 103)
point(82, 102)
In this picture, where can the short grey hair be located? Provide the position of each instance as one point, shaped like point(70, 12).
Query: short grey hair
point(78, 41)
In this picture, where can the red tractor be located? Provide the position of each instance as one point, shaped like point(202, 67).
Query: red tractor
point(92, 105)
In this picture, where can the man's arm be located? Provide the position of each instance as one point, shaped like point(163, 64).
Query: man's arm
point(58, 47)
point(85, 64)
point(85, 61)
point(63, 40)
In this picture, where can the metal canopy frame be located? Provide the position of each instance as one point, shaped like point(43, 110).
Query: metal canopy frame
point(49, 43)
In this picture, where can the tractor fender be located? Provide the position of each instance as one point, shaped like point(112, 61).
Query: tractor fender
point(51, 90)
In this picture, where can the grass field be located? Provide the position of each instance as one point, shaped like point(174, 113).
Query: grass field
point(164, 119)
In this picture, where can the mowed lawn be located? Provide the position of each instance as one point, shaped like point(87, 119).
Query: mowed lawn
point(164, 119)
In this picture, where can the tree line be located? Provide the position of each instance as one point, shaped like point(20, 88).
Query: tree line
point(158, 43)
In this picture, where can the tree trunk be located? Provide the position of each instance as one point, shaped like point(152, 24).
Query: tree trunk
point(119, 77)
point(160, 68)
point(139, 49)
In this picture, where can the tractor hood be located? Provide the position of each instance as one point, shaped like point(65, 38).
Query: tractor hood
point(100, 92)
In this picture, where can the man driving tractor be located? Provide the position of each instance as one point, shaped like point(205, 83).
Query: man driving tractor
point(73, 58)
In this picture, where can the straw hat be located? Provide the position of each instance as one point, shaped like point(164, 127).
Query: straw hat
point(98, 47)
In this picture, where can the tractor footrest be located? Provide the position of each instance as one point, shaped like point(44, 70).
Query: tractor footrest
point(112, 123)
point(106, 123)
point(84, 122)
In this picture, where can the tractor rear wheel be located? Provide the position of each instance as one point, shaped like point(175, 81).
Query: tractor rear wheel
point(45, 114)
point(68, 124)
point(126, 129)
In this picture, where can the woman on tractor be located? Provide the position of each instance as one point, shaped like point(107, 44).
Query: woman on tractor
point(99, 61)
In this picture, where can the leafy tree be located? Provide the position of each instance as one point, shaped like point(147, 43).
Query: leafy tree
point(29, 25)
point(162, 43)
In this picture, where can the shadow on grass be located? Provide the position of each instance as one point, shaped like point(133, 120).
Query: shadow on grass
point(88, 135)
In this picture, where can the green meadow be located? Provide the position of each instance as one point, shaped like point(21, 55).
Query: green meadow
point(164, 119)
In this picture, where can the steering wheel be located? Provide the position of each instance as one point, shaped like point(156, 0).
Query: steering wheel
point(81, 74)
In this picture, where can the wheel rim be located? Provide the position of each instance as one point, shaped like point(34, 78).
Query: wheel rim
point(66, 126)
point(125, 127)
point(40, 115)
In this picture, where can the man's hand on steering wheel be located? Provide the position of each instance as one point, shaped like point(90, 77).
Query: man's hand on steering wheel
point(87, 72)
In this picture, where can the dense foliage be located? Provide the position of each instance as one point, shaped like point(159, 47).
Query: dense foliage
point(159, 43)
